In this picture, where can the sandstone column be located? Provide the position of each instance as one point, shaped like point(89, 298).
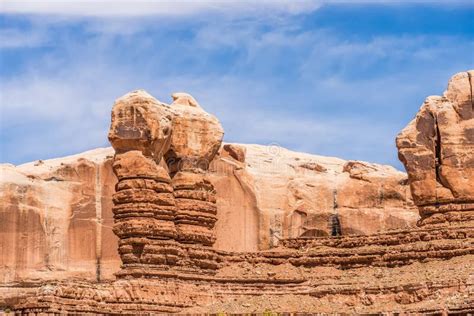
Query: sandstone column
point(164, 218)
point(437, 149)
point(196, 138)
point(144, 210)
point(195, 207)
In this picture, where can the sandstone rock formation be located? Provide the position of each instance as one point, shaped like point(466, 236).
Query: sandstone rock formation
point(437, 149)
point(56, 220)
point(196, 136)
point(234, 151)
point(257, 204)
point(144, 212)
point(140, 122)
point(329, 235)
point(287, 194)
point(154, 214)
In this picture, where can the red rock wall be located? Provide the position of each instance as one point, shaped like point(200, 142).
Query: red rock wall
point(60, 226)
point(437, 149)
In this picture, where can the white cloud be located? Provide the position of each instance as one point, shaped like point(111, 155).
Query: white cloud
point(140, 8)
point(61, 103)
point(14, 38)
point(113, 8)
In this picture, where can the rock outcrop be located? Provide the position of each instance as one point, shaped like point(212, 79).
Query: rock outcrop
point(56, 220)
point(259, 203)
point(164, 217)
point(206, 228)
point(288, 195)
point(196, 137)
point(140, 122)
point(144, 213)
point(437, 149)
point(144, 206)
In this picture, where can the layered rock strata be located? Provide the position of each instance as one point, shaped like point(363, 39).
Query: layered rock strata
point(196, 204)
point(144, 214)
point(67, 203)
point(144, 206)
point(430, 276)
point(195, 219)
point(164, 223)
point(437, 149)
point(196, 137)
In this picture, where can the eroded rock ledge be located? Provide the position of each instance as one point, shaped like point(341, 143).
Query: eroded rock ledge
point(173, 193)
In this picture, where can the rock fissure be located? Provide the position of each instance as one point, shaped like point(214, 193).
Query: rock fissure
point(437, 151)
point(471, 83)
point(98, 224)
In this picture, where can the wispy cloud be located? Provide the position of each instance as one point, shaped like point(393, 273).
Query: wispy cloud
point(112, 8)
point(130, 8)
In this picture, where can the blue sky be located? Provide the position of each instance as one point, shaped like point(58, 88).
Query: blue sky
point(338, 79)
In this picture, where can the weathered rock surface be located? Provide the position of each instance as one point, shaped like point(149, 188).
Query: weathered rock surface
point(419, 271)
point(56, 219)
point(437, 149)
point(144, 212)
point(196, 137)
point(279, 194)
point(52, 211)
point(140, 122)
point(197, 212)
point(164, 223)
point(234, 151)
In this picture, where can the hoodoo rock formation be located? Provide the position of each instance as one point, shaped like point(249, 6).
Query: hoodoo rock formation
point(172, 220)
point(144, 213)
point(437, 149)
point(162, 222)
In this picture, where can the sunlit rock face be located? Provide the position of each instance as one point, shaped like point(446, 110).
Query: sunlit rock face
point(165, 221)
point(278, 193)
point(144, 212)
point(53, 212)
point(195, 141)
point(57, 215)
point(437, 149)
point(56, 219)
point(140, 122)
point(197, 135)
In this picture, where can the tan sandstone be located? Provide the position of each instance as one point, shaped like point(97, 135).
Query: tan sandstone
point(437, 148)
point(258, 203)
point(140, 122)
point(197, 135)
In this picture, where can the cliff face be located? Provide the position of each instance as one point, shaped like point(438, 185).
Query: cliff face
point(56, 219)
point(56, 215)
point(437, 149)
point(285, 194)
